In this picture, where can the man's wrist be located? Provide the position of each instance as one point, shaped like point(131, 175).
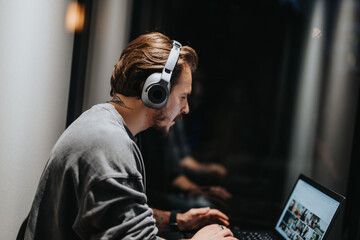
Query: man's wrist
point(173, 221)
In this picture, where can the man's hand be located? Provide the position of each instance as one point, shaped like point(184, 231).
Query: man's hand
point(214, 232)
point(214, 169)
point(196, 218)
point(218, 195)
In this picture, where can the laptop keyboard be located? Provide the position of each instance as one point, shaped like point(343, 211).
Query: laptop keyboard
point(252, 235)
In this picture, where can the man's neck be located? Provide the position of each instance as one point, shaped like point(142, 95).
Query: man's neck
point(136, 115)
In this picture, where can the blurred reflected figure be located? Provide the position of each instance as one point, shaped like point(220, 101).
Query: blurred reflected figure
point(212, 169)
point(177, 178)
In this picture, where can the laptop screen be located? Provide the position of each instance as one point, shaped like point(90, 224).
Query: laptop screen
point(307, 214)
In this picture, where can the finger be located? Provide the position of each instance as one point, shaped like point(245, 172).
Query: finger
point(223, 222)
point(217, 213)
point(219, 221)
point(224, 192)
point(216, 219)
point(225, 232)
point(217, 194)
point(227, 194)
point(201, 211)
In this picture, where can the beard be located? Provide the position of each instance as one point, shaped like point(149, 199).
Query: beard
point(159, 118)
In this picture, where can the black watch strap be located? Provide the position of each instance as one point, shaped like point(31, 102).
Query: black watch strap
point(172, 221)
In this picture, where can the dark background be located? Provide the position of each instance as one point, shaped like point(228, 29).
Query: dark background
point(244, 92)
point(242, 106)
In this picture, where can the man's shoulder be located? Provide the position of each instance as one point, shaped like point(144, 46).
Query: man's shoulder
point(98, 134)
point(99, 123)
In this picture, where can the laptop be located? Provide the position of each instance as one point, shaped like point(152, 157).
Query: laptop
point(308, 214)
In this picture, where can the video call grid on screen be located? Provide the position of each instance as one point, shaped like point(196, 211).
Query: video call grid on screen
point(307, 215)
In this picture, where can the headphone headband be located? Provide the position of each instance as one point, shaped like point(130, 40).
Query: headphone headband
point(171, 61)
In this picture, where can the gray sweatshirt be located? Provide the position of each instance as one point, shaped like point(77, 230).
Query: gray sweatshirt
point(93, 186)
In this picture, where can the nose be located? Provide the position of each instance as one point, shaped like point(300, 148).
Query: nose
point(185, 109)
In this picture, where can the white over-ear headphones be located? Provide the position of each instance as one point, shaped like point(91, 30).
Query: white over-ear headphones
point(156, 89)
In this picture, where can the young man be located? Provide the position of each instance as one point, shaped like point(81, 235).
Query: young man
point(93, 186)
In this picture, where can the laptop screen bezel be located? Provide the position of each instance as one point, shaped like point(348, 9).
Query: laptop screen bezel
point(337, 197)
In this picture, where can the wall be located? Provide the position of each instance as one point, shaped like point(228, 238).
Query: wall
point(108, 36)
point(35, 63)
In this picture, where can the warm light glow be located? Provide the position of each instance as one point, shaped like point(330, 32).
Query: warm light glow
point(75, 17)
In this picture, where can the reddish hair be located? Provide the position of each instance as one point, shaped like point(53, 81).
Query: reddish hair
point(143, 56)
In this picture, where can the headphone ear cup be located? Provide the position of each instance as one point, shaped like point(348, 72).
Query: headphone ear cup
point(155, 91)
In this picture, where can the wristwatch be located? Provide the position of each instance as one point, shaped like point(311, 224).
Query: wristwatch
point(172, 221)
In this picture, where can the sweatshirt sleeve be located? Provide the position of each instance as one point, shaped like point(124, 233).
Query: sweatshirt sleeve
point(114, 209)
